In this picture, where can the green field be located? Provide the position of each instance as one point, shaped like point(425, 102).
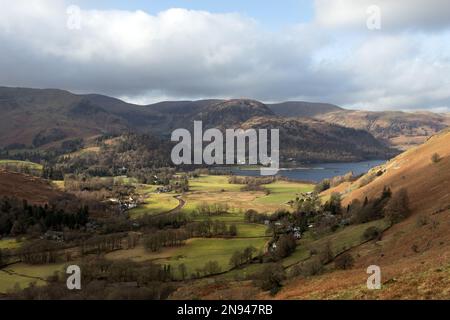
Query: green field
point(197, 252)
point(248, 230)
point(23, 275)
point(155, 203)
point(282, 192)
point(21, 164)
point(212, 184)
point(9, 244)
point(217, 190)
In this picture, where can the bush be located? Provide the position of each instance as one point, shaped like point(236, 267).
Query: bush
point(271, 278)
point(397, 208)
point(322, 186)
point(212, 267)
point(435, 158)
point(326, 254)
point(309, 268)
point(344, 261)
point(372, 233)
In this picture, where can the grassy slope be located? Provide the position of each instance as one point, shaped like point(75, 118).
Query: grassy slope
point(30, 165)
point(414, 258)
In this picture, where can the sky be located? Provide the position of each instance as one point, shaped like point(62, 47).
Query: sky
point(366, 54)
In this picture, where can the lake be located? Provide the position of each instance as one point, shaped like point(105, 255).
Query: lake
point(316, 172)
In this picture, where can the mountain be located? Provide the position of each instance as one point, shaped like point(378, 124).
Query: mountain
point(302, 109)
point(33, 117)
point(413, 255)
point(398, 129)
point(313, 140)
point(48, 118)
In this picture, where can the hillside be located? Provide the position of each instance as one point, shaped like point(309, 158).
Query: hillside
point(313, 140)
point(399, 129)
point(48, 119)
point(34, 190)
point(413, 255)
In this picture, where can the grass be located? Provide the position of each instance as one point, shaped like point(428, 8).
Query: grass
point(155, 203)
point(251, 230)
point(212, 184)
point(194, 254)
point(23, 164)
point(24, 275)
point(9, 244)
point(216, 189)
point(340, 241)
point(197, 252)
point(282, 192)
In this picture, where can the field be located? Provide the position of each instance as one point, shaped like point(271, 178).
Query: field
point(212, 190)
point(9, 244)
point(155, 203)
point(22, 166)
point(23, 275)
point(216, 189)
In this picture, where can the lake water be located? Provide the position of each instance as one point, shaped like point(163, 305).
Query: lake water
point(317, 172)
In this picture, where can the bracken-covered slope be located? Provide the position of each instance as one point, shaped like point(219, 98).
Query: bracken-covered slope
point(414, 255)
point(399, 129)
point(35, 190)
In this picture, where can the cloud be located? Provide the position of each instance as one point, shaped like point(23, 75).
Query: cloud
point(187, 54)
point(395, 14)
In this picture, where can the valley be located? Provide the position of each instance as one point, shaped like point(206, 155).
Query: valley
point(104, 195)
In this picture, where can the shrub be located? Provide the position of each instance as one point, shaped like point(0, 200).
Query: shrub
point(326, 254)
point(271, 278)
point(397, 208)
point(322, 186)
point(212, 267)
point(372, 233)
point(308, 268)
point(344, 261)
point(435, 158)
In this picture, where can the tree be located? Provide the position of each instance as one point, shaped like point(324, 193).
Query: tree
point(233, 230)
point(326, 254)
point(183, 271)
point(271, 277)
point(397, 209)
point(334, 204)
point(236, 259)
point(344, 261)
point(248, 253)
point(322, 186)
point(371, 233)
point(286, 245)
point(212, 267)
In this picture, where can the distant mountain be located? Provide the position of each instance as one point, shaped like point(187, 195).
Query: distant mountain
point(35, 118)
point(318, 141)
point(302, 109)
point(398, 129)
